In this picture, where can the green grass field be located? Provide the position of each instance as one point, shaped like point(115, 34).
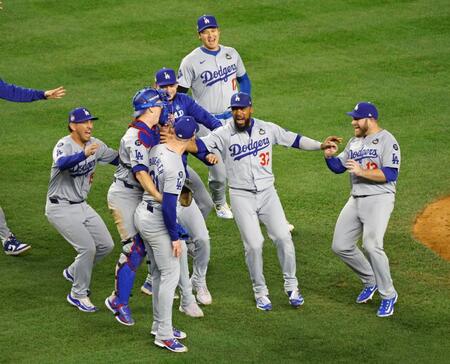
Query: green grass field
point(309, 62)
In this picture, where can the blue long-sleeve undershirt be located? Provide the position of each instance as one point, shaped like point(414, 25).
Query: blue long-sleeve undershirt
point(15, 93)
point(169, 211)
point(244, 84)
point(70, 161)
point(335, 165)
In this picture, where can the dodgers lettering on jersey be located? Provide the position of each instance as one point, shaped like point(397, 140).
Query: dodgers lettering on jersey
point(248, 157)
point(75, 183)
point(212, 77)
point(372, 152)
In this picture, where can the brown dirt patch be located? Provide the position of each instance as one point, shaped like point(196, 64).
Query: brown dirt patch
point(432, 227)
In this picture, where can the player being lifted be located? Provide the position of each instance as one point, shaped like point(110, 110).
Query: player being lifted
point(246, 149)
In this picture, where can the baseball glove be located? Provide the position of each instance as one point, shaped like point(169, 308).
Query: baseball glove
point(186, 196)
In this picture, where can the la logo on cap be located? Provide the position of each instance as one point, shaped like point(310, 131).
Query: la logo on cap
point(237, 98)
point(166, 76)
point(356, 107)
point(86, 112)
point(205, 19)
point(72, 118)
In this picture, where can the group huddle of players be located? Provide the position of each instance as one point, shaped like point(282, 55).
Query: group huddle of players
point(160, 204)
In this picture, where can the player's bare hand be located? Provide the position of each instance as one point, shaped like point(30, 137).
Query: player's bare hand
point(165, 134)
point(91, 149)
point(330, 151)
point(354, 167)
point(56, 93)
point(176, 248)
point(212, 158)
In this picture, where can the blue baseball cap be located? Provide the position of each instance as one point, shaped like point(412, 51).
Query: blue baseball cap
point(206, 21)
point(80, 115)
point(185, 127)
point(241, 99)
point(364, 110)
point(165, 77)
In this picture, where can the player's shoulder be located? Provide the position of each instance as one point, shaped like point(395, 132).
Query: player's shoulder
point(64, 142)
point(228, 49)
point(195, 53)
point(387, 135)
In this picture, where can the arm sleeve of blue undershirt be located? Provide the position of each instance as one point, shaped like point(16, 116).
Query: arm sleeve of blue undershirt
point(169, 211)
point(15, 93)
point(64, 163)
point(335, 165)
point(202, 152)
point(391, 174)
point(202, 116)
point(244, 84)
point(115, 162)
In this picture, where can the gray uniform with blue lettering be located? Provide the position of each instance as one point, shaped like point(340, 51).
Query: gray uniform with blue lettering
point(126, 192)
point(368, 210)
point(248, 161)
point(212, 79)
point(74, 219)
point(167, 171)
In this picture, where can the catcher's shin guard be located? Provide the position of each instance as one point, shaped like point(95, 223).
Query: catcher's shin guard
point(130, 259)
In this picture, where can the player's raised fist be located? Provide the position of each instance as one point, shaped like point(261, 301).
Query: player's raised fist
point(90, 149)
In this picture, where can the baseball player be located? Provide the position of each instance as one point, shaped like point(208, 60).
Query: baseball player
point(10, 92)
point(156, 223)
point(75, 158)
point(372, 158)
point(246, 149)
point(130, 181)
point(189, 217)
point(213, 72)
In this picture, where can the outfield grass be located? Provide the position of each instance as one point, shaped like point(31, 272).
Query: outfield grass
point(309, 62)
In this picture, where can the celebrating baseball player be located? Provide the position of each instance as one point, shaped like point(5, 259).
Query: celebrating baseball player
point(10, 92)
point(130, 181)
point(213, 72)
point(246, 149)
point(156, 223)
point(183, 105)
point(75, 158)
point(372, 158)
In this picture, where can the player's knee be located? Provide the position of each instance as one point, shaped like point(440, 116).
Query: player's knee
point(337, 248)
point(88, 251)
point(373, 248)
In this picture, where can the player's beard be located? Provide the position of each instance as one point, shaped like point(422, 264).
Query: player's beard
point(242, 127)
point(361, 131)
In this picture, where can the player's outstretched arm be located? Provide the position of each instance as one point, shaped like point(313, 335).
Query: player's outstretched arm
point(56, 93)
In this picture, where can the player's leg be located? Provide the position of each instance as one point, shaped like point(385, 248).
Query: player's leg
point(11, 245)
point(200, 193)
point(272, 215)
point(69, 221)
point(99, 232)
point(168, 267)
point(245, 204)
point(347, 231)
point(122, 203)
point(217, 180)
point(192, 219)
point(375, 212)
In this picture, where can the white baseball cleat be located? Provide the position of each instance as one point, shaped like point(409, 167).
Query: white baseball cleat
point(203, 296)
point(192, 310)
point(290, 226)
point(224, 211)
point(83, 304)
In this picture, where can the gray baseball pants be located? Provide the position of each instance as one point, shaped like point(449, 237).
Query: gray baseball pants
point(4, 230)
point(200, 193)
point(249, 208)
point(192, 219)
point(369, 217)
point(85, 230)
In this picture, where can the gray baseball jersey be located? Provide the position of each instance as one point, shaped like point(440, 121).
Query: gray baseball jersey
point(248, 160)
point(372, 152)
point(211, 76)
point(367, 211)
point(74, 183)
